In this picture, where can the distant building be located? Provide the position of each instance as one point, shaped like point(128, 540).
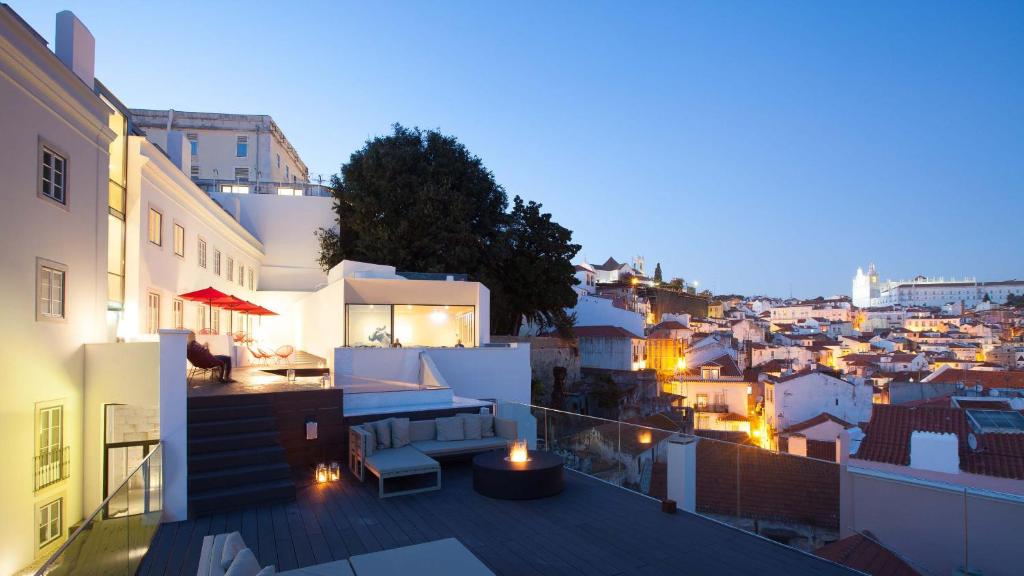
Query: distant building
point(611, 348)
point(933, 292)
point(234, 153)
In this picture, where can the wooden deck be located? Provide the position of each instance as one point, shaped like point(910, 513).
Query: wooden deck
point(591, 528)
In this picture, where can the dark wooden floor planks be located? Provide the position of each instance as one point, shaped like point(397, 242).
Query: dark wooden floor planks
point(591, 528)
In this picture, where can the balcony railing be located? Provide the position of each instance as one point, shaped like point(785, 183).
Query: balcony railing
point(51, 466)
point(116, 536)
point(720, 408)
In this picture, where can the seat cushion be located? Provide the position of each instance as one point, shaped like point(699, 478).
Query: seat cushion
point(472, 427)
point(382, 430)
point(441, 448)
point(422, 430)
point(397, 460)
point(449, 429)
point(399, 432)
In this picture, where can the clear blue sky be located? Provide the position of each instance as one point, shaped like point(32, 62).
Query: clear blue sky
point(758, 147)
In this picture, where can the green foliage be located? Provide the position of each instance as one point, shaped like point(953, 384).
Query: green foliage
point(657, 272)
point(536, 392)
point(1015, 300)
point(420, 201)
point(677, 283)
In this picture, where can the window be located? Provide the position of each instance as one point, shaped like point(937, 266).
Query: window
point(179, 240)
point(201, 320)
point(229, 189)
point(53, 175)
point(252, 282)
point(702, 401)
point(229, 271)
point(216, 262)
point(241, 274)
point(51, 289)
point(201, 254)
point(286, 173)
point(241, 174)
point(51, 435)
point(156, 227)
point(194, 171)
point(193, 143)
point(279, 161)
point(51, 522)
point(242, 146)
point(179, 314)
point(215, 324)
point(153, 313)
point(384, 325)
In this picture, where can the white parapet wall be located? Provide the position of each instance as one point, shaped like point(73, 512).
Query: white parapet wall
point(490, 372)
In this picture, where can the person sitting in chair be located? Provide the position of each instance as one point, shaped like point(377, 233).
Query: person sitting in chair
point(200, 357)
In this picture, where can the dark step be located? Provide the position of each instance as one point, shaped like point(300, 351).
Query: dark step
point(233, 458)
point(232, 442)
point(218, 413)
point(229, 400)
point(220, 500)
point(205, 429)
point(229, 476)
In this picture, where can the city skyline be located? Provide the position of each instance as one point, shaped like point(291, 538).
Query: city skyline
point(707, 138)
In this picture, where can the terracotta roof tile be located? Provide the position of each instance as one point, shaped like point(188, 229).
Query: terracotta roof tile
point(987, 378)
point(819, 419)
point(862, 553)
point(603, 332)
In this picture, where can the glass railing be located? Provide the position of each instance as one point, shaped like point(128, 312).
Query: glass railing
point(791, 499)
point(115, 538)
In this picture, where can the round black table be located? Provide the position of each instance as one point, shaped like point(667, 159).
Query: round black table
point(542, 475)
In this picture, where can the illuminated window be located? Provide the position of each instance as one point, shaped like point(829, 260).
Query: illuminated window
point(53, 175)
point(410, 325)
point(179, 240)
point(51, 290)
point(242, 174)
point(201, 254)
point(51, 522)
point(179, 314)
point(153, 313)
point(234, 189)
point(155, 227)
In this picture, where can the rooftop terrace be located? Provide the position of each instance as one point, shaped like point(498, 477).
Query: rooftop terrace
point(591, 528)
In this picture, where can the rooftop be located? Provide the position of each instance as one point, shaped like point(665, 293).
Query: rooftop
point(591, 528)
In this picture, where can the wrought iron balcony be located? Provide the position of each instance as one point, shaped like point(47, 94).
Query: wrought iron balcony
point(51, 466)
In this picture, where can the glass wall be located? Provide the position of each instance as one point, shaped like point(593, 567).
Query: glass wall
point(382, 325)
point(118, 179)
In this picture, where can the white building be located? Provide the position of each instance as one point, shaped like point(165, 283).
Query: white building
point(797, 397)
point(611, 348)
point(932, 292)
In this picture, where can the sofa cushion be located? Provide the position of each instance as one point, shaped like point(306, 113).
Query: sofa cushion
point(371, 439)
point(233, 544)
point(487, 425)
point(382, 430)
point(471, 426)
point(244, 564)
point(439, 448)
point(267, 571)
point(421, 430)
point(449, 429)
point(400, 460)
point(399, 432)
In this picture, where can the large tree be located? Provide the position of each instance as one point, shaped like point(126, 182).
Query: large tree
point(420, 201)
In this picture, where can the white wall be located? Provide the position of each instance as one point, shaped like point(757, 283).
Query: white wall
point(803, 398)
point(287, 226)
point(607, 353)
point(125, 373)
point(594, 311)
point(153, 268)
point(40, 98)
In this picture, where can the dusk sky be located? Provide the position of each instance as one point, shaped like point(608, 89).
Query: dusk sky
point(758, 147)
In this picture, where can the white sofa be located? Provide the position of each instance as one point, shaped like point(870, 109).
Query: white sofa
point(419, 444)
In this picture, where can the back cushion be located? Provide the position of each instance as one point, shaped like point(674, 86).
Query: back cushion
point(449, 429)
point(399, 432)
point(420, 430)
point(233, 544)
point(471, 426)
point(244, 564)
point(371, 439)
point(382, 429)
point(487, 425)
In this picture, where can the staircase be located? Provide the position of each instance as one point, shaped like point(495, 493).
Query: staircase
point(235, 457)
point(303, 357)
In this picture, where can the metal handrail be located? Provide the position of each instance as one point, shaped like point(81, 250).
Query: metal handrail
point(92, 517)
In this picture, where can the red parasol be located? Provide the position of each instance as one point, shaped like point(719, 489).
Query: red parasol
point(209, 296)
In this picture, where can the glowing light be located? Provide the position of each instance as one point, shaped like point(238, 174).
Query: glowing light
point(438, 317)
point(321, 474)
point(517, 451)
point(681, 363)
point(644, 437)
point(334, 471)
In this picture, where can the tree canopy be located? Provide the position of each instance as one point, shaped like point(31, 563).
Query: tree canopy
point(418, 200)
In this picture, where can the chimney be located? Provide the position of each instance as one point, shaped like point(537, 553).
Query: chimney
point(843, 447)
point(798, 445)
point(76, 47)
point(935, 451)
point(179, 150)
